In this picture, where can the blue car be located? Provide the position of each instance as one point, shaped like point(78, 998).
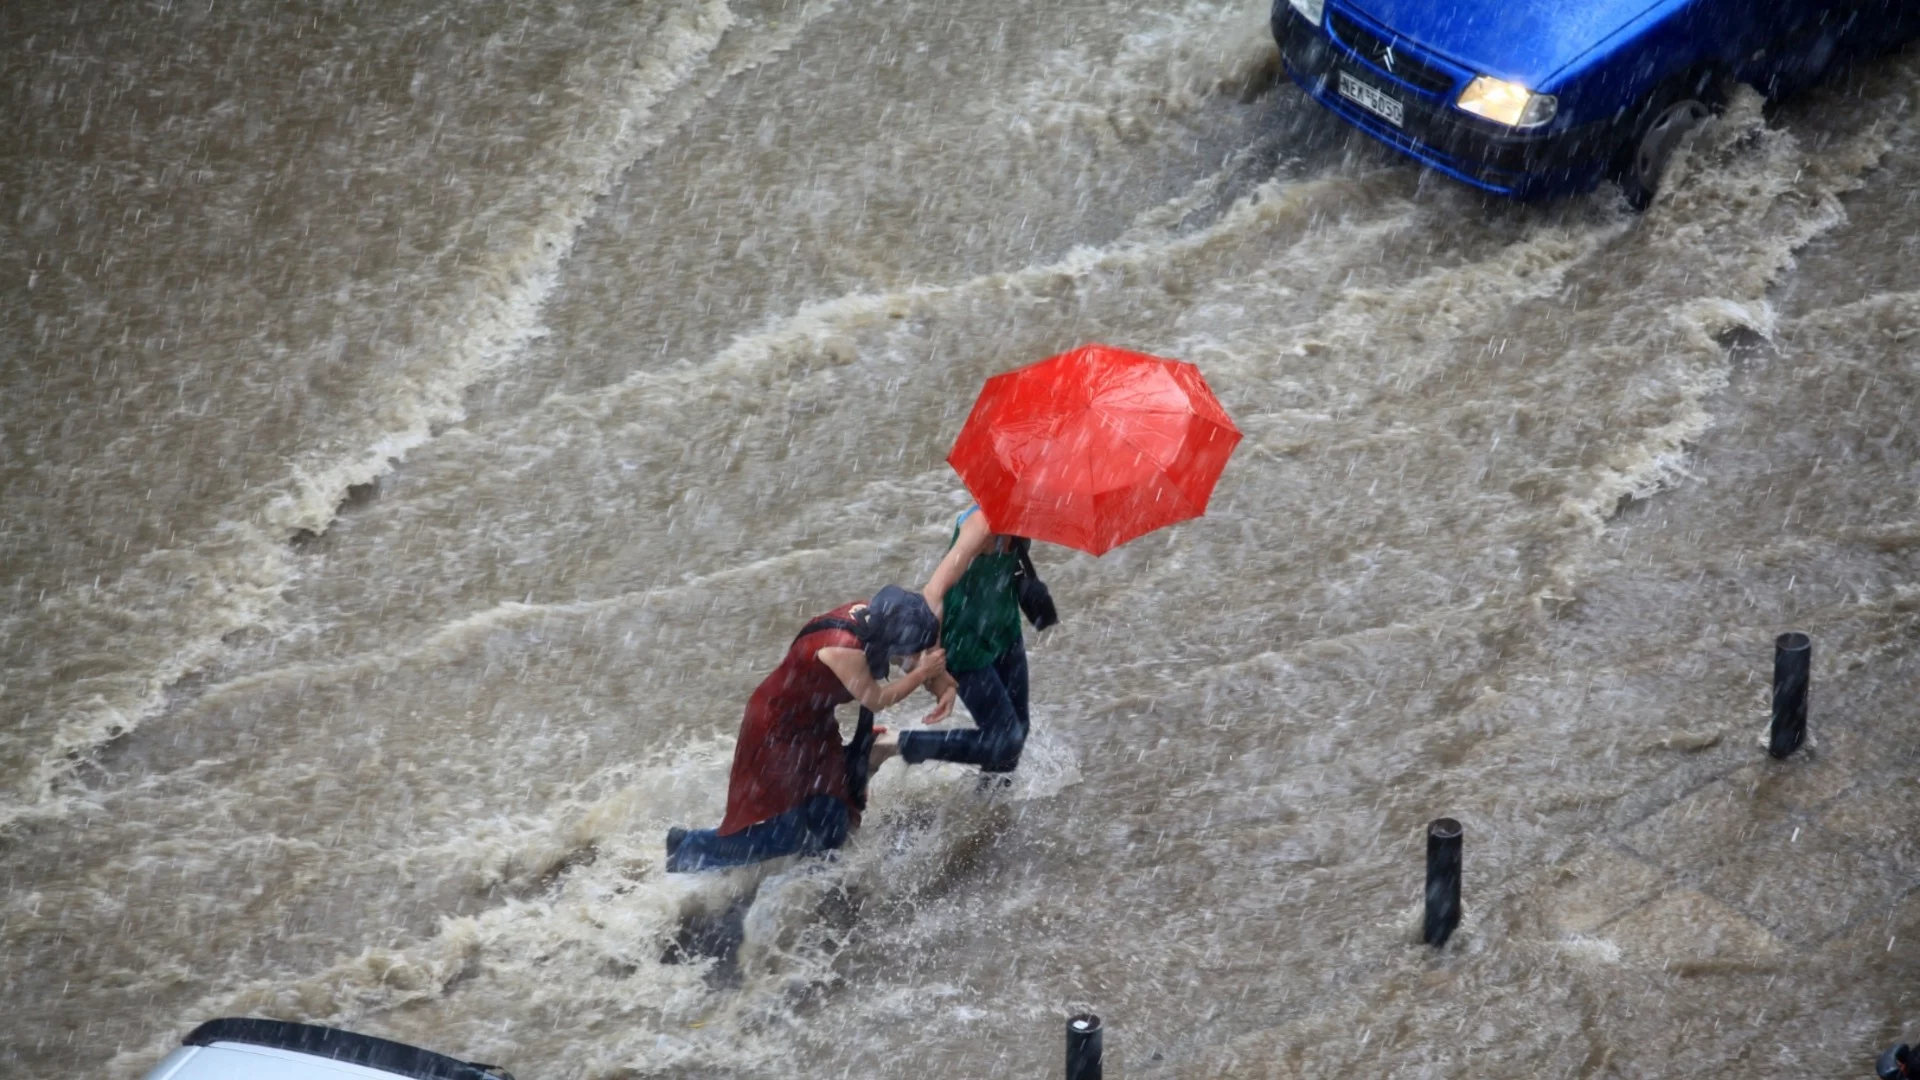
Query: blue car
point(1540, 97)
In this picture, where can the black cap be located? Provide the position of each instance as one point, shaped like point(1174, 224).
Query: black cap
point(897, 622)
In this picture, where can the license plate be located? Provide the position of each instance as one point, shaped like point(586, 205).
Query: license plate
point(1370, 99)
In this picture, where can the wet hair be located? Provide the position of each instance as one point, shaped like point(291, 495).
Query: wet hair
point(895, 623)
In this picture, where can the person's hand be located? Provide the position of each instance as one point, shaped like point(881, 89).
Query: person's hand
point(932, 665)
point(944, 708)
point(886, 744)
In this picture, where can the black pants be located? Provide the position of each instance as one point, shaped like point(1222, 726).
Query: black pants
point(996, 695)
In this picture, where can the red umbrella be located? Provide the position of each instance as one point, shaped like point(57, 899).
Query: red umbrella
point(1094, 447)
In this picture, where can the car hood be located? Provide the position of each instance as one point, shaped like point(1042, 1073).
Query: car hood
point(1522, 40)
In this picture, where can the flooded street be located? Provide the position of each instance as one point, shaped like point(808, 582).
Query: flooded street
point(426, 422)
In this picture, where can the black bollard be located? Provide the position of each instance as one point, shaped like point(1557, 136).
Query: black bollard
point(1083, 1047)
point(1792, 671)
point(1443, 881)
point(1897, 1064)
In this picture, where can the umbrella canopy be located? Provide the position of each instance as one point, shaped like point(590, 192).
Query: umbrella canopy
point(1094, 447)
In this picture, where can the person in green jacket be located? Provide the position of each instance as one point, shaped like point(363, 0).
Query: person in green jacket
point(974, 594)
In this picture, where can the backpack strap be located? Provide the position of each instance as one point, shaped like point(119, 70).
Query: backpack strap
point(828, 622)
point(859, 759)
point(1021, 547)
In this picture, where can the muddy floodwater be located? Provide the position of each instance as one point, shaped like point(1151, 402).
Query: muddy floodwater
point(423, 422)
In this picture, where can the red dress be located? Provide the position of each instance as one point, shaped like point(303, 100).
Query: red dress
point(790, 748)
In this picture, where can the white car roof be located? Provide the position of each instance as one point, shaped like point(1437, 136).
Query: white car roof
point(239, 1061)
point(258, 1048)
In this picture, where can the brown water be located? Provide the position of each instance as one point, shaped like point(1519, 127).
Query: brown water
point(426, 421)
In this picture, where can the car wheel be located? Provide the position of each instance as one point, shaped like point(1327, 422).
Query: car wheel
point(1655, 146)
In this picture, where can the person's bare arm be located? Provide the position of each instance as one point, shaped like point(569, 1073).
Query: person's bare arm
point(973, 538)
point(944, 689)
point(851, 666)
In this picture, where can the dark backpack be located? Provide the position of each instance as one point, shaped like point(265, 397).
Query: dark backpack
point(1035, 601)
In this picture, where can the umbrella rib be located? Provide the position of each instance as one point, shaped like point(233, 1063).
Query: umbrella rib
point(1157, 466)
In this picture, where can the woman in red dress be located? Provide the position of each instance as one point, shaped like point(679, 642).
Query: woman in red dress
point(795, 786)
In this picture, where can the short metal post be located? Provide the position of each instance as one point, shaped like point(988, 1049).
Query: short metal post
point(1792, 671)
point(1083, 1047)
point(1443, 880)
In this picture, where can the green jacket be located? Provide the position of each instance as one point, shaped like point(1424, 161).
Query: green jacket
point(980, 615)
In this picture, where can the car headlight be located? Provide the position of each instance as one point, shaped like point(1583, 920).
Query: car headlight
point(1507, 103)
point(1309, 9)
